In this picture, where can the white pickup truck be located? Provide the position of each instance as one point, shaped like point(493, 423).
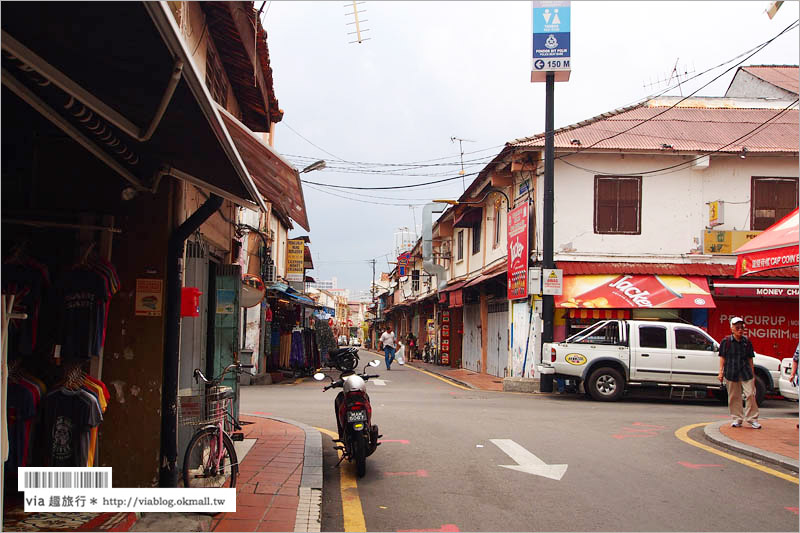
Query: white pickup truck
point(615, 355)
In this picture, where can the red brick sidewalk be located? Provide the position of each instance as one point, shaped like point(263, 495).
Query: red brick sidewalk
point(267, 491)
point(777, 435)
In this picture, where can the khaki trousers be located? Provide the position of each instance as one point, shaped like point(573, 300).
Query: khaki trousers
point(735, 390)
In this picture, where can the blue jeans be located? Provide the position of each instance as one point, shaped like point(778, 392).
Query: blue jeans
point(389, 354)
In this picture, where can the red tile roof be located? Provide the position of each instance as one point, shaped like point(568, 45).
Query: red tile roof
point(573, 268)
point(783, 76)
point(694, 125)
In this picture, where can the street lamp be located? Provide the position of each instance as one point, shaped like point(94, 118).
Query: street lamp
point(316, 165)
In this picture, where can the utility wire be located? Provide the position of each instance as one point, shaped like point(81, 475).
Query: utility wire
point(385, 188)
point(358, 200)
point(658, 171)
point(756, 50)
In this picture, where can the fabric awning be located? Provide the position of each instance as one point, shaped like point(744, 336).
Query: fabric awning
point(123, 71)
point(776, 247)
point(284, 290)
point(470, 217)
point(274, 177)
point(600, 314)
point(635, 292)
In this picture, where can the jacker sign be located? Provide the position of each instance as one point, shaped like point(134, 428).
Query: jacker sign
point(518, 252)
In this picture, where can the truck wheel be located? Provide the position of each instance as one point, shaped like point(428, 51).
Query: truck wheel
point(606, 385)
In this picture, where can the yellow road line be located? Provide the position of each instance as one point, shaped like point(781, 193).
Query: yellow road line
point(683, 434)
point(439, 378)
point(351, 502)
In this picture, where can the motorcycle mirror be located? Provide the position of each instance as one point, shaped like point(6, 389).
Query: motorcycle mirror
point(319, 376)
point(374, 362)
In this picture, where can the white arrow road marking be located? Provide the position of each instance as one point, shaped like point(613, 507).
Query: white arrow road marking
point(527, 462)
point(380, 382)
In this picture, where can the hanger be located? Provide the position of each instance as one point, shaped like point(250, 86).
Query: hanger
point(74, 377)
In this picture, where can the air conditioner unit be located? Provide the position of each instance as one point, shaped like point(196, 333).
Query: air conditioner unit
point(270, 273)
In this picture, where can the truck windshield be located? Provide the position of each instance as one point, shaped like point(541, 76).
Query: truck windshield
point(602, 333)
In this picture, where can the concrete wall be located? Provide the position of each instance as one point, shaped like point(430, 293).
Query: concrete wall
point(674, 211)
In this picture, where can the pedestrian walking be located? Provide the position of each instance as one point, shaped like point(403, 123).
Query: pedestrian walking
point(736, 372)
point(388, 341)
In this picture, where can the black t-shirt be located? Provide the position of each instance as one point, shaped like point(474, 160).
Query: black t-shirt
point(82, 294)
point(68, 417)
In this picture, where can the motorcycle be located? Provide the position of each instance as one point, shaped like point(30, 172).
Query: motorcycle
point(343, 359)
point(358, 438)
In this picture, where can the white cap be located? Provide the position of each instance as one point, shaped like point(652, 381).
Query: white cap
point(736, 320)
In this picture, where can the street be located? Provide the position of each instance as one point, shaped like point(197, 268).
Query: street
point(443, 462)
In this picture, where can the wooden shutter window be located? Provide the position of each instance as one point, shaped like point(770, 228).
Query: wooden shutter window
point(771, 200)
point(618, 202)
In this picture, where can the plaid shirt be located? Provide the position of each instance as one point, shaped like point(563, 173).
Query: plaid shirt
point(737, 356)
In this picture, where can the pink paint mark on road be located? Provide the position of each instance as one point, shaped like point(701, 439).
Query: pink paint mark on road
point(696, 467)
point(794, 510)
point(260, 413)
point(420, 473)
point(446, 528)
point(647, 425)
point(401, 441)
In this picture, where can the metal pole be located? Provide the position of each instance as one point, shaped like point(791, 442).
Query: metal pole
point(547, 228)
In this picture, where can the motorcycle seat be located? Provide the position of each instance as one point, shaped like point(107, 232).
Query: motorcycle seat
point(339, 351)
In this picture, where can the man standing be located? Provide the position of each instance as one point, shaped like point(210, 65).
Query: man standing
point(387, 341)
point(736, 369)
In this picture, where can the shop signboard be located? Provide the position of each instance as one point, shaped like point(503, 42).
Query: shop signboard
point(402, 264)
point(771, 325)
point(716, 216)
point(725, 242)
point(444, 345)
point(518, 252)
point(625, 291)
point(294, 260)
point(551, 40)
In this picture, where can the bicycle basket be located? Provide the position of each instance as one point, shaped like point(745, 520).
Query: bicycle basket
point(204, 409)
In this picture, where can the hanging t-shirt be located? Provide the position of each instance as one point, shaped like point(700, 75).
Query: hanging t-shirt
point(82, 295)
point(21, 409)
point(68, 417)
point(27, 284)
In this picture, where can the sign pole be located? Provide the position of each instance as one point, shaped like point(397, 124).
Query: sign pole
point(548, 311)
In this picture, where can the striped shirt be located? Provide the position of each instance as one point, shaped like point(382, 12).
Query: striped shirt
point(737, 356)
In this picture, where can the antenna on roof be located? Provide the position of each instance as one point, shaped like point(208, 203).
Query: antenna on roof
point(357, 22)
point(461, 149)
point(679, 74)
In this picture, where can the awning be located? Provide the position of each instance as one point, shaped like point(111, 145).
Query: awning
point(454, 286)
point(275, 178)
point(119, 75)
point(776, 247)
point(470, 217)
point(635, 292)
point(755, 288)
point(500, 271)
point(284, 290)
point(308, 262)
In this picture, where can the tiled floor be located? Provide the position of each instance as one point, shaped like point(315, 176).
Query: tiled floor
point(268, 489)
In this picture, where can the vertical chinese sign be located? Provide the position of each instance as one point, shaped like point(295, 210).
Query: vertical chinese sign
point(444, 346)
point(518, 252)
point(294, 260)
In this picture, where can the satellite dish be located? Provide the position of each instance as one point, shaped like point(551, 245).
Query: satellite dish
point(253, 290)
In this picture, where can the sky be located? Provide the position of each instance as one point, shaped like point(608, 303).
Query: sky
point(434, 71)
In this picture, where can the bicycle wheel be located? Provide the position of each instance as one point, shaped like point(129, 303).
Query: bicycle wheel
point(202, 465)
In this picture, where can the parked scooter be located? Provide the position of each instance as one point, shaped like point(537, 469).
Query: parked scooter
point(343, 359)
point(358, 438)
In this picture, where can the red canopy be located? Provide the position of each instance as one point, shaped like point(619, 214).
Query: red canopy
point(775, 248)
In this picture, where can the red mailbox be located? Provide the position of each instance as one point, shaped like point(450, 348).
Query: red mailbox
point(190, 301)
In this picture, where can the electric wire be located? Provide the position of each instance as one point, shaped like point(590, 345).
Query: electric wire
point(386, 188)
point(661, 171)
point(756, 50)
point(361, 201)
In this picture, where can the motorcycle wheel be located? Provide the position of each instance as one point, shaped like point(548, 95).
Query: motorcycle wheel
point(360, 454)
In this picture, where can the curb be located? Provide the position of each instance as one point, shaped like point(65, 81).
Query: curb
point(713, 434)
point(445, 376)
point(309, 509)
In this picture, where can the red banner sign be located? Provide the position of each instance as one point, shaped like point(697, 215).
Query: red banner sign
point(638, 291)
point(518, 252)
